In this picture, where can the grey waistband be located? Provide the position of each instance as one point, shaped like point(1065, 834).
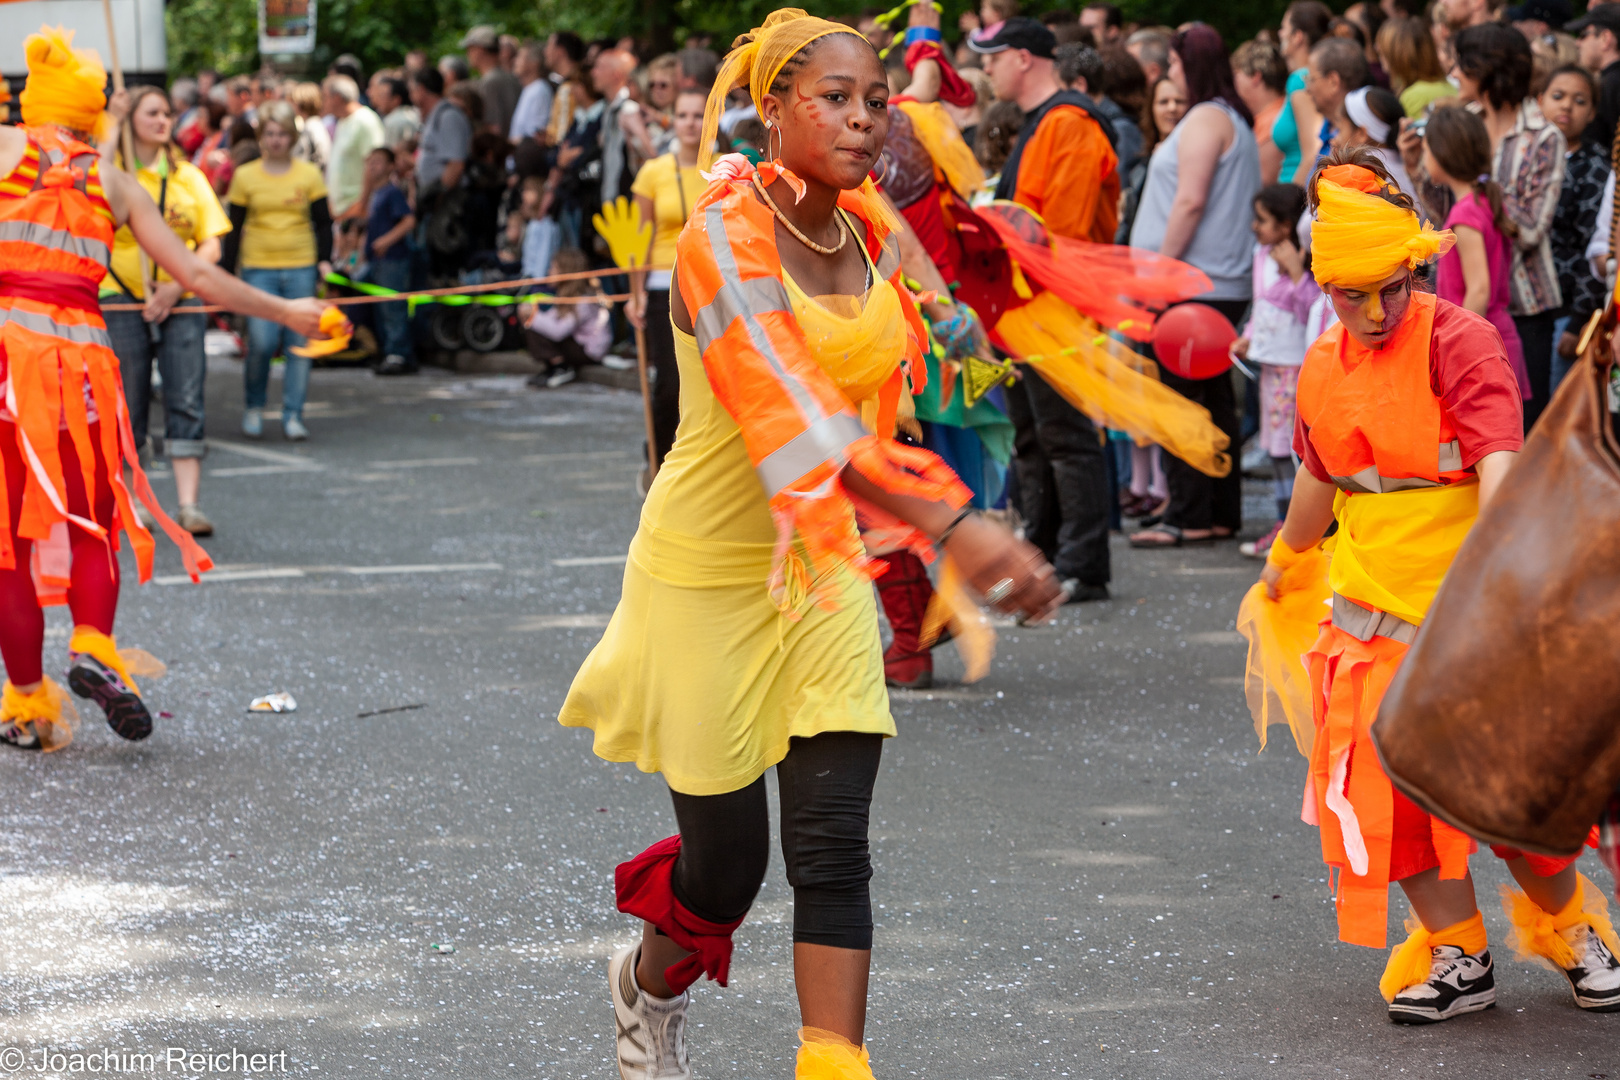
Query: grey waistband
point(1364, 623)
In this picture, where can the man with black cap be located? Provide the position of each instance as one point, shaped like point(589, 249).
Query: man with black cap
point(1539, 20)
point(1063, 166)
point(1598, 33)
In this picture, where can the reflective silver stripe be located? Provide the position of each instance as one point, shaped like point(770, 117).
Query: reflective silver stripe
point(57, 239)
point(755, 296)
point(822, 441)
point(44, 324)
point(1370, 482)
point(1364, 623)
point(888, 257)
point(731, 278)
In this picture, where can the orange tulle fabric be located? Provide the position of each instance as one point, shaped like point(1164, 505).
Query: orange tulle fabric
point(65, 86)
point(1060, 343)
point(826, 1055)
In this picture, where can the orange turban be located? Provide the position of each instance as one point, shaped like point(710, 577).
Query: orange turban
point(66, 86)
point(1359, 236)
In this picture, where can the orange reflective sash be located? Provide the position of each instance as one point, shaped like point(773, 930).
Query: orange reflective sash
point(59, 362)
point(799, 428)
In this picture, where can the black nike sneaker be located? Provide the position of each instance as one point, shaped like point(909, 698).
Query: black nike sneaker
point(1595, 978)
point(126, 712)
point(1458, 983)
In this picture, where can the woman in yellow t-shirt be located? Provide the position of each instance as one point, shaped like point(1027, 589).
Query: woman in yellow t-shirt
point(665, 191)
point(175, 340)
point(282, 237)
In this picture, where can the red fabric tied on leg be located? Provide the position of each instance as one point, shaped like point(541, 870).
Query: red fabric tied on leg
point(643, 889)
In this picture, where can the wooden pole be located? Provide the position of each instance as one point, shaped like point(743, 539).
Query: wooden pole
point(638, 293)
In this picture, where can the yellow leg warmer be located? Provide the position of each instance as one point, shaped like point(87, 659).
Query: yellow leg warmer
point(47, 709)
point(1535, 935)
point(1410, 961)
point(127, 662)
point(826, 1055)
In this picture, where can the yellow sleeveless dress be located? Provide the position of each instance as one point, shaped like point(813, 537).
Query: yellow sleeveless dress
point(698, 676)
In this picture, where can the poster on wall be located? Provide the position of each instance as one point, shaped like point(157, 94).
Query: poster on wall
point(286, 27)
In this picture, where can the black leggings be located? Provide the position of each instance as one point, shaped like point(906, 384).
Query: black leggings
point(826, 787)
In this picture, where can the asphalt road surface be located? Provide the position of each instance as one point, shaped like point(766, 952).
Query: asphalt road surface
point(1083, 867)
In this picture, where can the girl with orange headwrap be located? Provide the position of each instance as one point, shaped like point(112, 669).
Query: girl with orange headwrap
point(65, 438)
point(746, 635)
point(1408, 419)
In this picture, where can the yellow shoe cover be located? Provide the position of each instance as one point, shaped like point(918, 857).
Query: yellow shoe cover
point(50, 711)
point(1536, 933)
point(826, 1055)
point(1411, 960)
point(127, 662)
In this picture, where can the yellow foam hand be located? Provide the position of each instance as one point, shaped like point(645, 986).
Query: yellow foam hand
point(628, 237)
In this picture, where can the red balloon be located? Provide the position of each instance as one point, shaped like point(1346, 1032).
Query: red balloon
point(1193, 340)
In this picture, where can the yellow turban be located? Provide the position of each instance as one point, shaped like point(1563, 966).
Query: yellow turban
point(66, 86)
point(755, 59)
point(1359, 237)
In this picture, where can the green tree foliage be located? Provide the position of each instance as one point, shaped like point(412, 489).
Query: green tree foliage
point(223, 34)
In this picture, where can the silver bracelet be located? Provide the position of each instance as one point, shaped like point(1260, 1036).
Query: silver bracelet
point(945, 534)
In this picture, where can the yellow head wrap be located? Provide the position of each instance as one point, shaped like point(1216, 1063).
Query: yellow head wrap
point(1360, 238)
point(755, 59)
point(66, 86)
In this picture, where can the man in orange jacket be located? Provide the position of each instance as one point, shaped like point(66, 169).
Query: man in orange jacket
point(1063, 167)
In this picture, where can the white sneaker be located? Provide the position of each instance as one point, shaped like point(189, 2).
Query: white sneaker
point(651, 1031)
point(1458, 983)
point(561, 377)
point(293, 429)
point(1595, 978)
point(253, 423)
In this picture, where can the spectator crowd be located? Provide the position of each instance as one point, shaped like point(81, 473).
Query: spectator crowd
point(490, 163)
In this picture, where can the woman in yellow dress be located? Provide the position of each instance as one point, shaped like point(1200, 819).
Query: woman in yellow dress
point(746, 635)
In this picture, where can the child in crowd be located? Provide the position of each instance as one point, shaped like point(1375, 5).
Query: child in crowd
point(750, 139)
point(1276, 336)
point(389, 222)
point(993, 144)
point(541, 237)
point(1570, 103)
point(565, 337)
point(1474, 273)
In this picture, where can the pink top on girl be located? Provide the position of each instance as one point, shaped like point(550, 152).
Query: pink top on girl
point(1474, 212)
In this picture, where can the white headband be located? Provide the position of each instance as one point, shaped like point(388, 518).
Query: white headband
point(1356, 108)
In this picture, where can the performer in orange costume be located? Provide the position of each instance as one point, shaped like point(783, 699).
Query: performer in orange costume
point(1409, 417)
point(64, 429)
point(746, 636)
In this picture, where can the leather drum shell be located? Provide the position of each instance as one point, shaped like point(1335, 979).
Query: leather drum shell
point(1504, 719)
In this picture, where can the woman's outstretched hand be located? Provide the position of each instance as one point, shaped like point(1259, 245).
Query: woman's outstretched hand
point(304, 317)
point(1011, 574)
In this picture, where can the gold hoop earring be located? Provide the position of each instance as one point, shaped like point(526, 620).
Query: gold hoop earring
point(773, 129)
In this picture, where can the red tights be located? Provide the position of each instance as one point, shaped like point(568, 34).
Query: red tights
point(93, 594)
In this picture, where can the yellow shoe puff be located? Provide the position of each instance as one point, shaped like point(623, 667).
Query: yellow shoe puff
point(43, 720)
point(826, 1055)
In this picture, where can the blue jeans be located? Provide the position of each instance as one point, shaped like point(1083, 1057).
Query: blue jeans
point(180, 360)
point(393, 321)
point(266, 339)
point(1560, 364)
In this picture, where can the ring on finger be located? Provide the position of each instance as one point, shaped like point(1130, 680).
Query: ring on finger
point(999, 591)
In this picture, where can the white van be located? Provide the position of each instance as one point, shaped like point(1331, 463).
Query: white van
point(142, 48)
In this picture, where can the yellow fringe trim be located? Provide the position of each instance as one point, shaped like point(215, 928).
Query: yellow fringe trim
point(127, 662)
point(1411, 960)
point(1535, 935)
point(50, 711)
point(826, 1055)
point(975, 638)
